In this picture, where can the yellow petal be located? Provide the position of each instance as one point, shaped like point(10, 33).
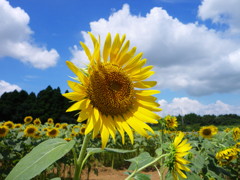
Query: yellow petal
point(107, 47)
point(126, 57)
point(91, 122)
point(146, 92)
point(77, 71)
point(86, 50)
point(82, 116)
point(133, 62)
point(143, 76)
point(104, 135)
point(144, 84)
point(127, 128)
point(74, 96)
point(75, 106)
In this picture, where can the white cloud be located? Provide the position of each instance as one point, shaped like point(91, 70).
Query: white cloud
point(185, 105)
point(15, 35)
point(7, 87)
point(223, 12)
point(187, 57)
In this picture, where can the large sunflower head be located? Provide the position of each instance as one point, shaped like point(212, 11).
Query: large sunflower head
point(175, 161)
point(208, 131)
point(4, 130)
point(30, 130)
point(109, 92)
point(9, 124)
point(28, 119)
point(225, 156)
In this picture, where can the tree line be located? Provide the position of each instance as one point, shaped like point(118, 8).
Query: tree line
point(49, 103)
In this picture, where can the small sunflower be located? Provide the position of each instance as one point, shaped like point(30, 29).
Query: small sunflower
point(4, 130)
point(37, 122)
point(28, 119)
point(208, 131)
point(236, 133)
point(37, 135)
point(67, 139)
point(82, 130)
point(224, 157)
point(9, 124)
point(107, 93)
point(76, 129)
point(58, 125)
point(171, 122)
point(17, 126)
point(175, 161)
point(50, 121)
point(237, 146)
point(30, 130)
point(53, 132)
point(64, 126)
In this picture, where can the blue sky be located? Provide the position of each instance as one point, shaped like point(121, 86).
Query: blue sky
point(193, 45)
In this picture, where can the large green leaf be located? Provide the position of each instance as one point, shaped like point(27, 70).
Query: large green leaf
point(99, 150)
point(140, 161)
point(40, 158)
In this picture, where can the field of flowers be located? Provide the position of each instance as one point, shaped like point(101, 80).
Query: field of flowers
point(206, 154)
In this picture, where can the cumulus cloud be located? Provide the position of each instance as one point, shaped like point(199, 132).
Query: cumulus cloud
point(16, 42)
point(7, 87)
point(187, 57)
point(185, 105)
point(222, 12)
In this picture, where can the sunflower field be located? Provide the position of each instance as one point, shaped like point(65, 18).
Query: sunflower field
point(204, 154)
point(118, 126)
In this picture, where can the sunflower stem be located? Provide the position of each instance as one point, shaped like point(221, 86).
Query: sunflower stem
point(149, 164)
point(79, 162)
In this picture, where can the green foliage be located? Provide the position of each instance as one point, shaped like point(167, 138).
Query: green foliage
point(40, 158)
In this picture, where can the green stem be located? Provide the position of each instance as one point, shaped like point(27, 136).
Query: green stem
point(149, 164)
point(79, 162)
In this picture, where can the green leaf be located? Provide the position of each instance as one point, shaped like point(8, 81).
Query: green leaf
point(57, 178)
point(119, 150)
point(140, 161)
point(99, 150)
point(40, 158)
point(142, 177)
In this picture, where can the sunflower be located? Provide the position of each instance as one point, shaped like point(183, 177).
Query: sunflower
point(224, 157)
point(9, 124)
point(82, 130)
point(171, 122)
point(208, 131)
point(175, 161)
point(4, 130)
point(58, 125)
point(28, 119)
point(237, 146)
point(64, 126)
point(30, 130)
point(50, 121)
point(53, 132)
point(17, 126)
point(37, 122)
point(67, 139)
point(236, 133)
point(76, 129)
point(108, 94)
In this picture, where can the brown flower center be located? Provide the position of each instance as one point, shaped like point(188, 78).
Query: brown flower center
point(110, 89)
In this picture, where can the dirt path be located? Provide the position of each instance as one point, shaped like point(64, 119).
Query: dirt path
point(107, 173)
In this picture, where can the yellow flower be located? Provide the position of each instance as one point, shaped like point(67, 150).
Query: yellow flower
point(175, 161)
point(18, 125)
point(68, 139)
point(58, 125)
point(28, 119)
point(9, 124)
point(108, 94)
point(37, 135)
point(237, 146)
point(171, 122)
point(226, 156)
point(208, 131)
point(50, 121)
point(82, 130)
point(76, 129)
point(64, 126)
point(236, 133)
point(4, 130)
point(227, 130)
point(30, 130)
point(53, 132)
point(37, 122)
